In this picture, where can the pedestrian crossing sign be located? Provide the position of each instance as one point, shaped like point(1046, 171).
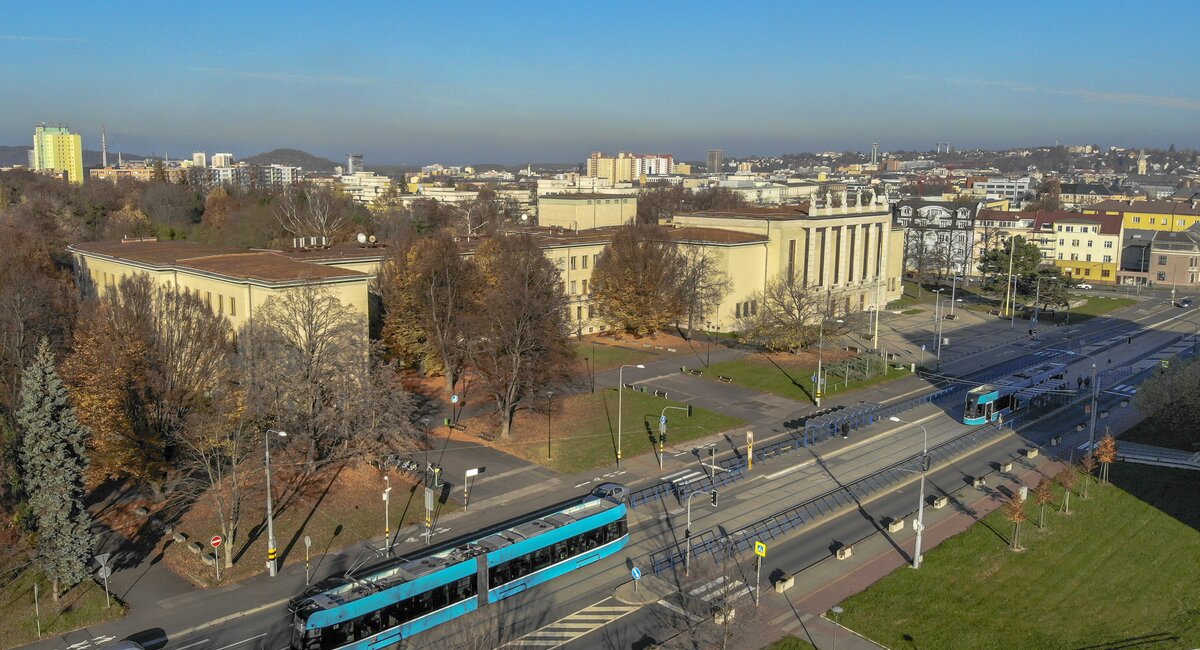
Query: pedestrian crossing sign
point(760, 549)
point(1165, 363)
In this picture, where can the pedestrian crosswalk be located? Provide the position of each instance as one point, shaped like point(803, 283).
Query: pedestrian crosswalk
point(1123, 389)
point(722, 591)
point(685, 477)
point(572, 627)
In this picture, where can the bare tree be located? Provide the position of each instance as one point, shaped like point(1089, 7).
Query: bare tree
point(703, 284)
point(307, 211)
point(1087, 467)
point(1066, 478)
point(520, 343)
point(1042, 496)
point(1014, 511)
point(307, 350)
point(787, 316)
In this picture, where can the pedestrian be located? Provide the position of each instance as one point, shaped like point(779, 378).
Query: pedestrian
point(1078, 383)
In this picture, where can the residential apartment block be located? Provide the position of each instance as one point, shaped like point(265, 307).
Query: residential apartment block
point(626, 167)
point(57, 150)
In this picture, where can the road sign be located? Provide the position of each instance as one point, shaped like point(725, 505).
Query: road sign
point(215, 541)
point(922, 347)
point(814, 378)
point(307, 541)
point(454, 398)
point(104, 572)
point(1165, 363)
point(429, 498)
point(636, 573)
point(760, 549)
point(102, 559)
point(662, 427)
point(472, 472)
point(662, 419)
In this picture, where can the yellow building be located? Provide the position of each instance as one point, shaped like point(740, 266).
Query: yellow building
point(853, 254)
point(234, 284)
point(56, 149)
point(586, 211)
point(1085, 247)
point(1168, 216)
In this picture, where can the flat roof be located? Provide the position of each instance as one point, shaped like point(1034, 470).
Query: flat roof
point(261, 266)
point(586, 195)
point(339, 253)
point(713, 235)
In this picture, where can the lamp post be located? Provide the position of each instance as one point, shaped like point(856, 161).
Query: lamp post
point(549, 409)
point(916, 563)
point(270, 517)
point(620, 395)
point(687, 557)
point(387, 524)
point(821, 360)
point(837, 613)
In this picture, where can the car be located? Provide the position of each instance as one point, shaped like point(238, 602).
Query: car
point(1083, 286)
point(1185, 303)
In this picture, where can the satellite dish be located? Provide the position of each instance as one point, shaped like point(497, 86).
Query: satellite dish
point(371, 239)
point(362, 239)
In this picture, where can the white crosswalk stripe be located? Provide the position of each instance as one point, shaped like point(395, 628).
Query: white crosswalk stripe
point(1123, 389)
point(722, 590)
point(572, 627)
point(684, 478)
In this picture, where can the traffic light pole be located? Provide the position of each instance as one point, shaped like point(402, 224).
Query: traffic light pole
point(687, 558)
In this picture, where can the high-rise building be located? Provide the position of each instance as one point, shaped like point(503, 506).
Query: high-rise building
point(716, 158)
point(222, 160)
point(354, 163)
point(199, 159)
point(626, 167)
point(56, 149)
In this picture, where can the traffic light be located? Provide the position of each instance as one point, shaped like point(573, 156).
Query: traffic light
point(714, 497)
point(1031, 332)
point(1129, 340)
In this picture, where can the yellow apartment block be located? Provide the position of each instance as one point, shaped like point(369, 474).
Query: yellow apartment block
point(1167, 216)
point(234, 284)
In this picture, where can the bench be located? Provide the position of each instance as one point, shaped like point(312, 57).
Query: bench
point(660, 393)
point(979, 481)
point(895, 525)
point(844, 552)
point(1032, 452)
point(724, 379)
point(940, 502)
point(783, 584)
point(627, 386)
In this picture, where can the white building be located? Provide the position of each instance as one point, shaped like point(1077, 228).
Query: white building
point(365, 187)
point(222, 160)
point(1013, 189)
point(199, 159)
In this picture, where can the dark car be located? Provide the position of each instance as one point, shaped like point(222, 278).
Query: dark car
point(1185, 303)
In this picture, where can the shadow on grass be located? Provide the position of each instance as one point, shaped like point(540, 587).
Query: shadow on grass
point(792, 379)
point(1172, 491)
point(1143, 641)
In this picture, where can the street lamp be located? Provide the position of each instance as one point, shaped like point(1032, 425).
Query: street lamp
point(837, 613)
point(270, 517)
point(821, 359)
point(387, 524)
point(549, 408)
point(916, 563)
point(1095, 393)
point(687, 557)
point(620, 395)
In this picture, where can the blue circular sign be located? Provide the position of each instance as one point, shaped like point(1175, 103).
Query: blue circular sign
point(637, 573)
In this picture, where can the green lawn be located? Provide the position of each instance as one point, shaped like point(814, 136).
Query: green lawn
point(789, 642)
point(790, 379)
point(1122, 566)
point(586, 429)
point(1097, 306)
point(608, 357)
point(80, 607)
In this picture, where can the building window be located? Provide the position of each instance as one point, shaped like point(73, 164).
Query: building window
point(1179, 222)
point(572, 262)
point(1089, 243)
point(579, 313)
point(1107, 259)
point(572, 287)
point(754, 307)
point(584, 260)
point(1104, 273)
point(737, 310)
point(595, 258)
point(232, 307)
point(1162, 260)
point(1074, 242)
point(1062, 242)
point(1108, 244)
point(220, 304)
point(1060, 256)
point(208, 299)
point(1162, 275)
point(1137, 219)
point(1087, 272)
point(584, 285)
point(591, 311)
point(1074, 257)
point(1088, 257)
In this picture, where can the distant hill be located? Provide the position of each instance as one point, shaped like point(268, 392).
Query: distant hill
point(293, 157)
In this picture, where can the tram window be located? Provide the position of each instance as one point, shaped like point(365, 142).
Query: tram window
point(522, 566)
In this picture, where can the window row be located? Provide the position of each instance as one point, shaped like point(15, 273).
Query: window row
point(395, 614)
point(748, 308)
point(519, 567)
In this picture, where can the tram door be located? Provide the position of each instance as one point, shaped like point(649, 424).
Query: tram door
point(988, 411)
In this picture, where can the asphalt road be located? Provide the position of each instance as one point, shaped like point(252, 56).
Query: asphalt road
point(580, 610)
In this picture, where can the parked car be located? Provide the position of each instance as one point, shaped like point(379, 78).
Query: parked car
point(1083, 286)
point(1185, 303)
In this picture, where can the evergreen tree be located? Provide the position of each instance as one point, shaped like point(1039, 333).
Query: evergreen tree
point(52, 459)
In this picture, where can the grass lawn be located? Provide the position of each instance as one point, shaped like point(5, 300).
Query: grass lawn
point(80, 607)
point(334, 507)
point(1122, 566)
point(1097, 306)
point(789, 642)
point(790, 378)
point(585, 429)
point(612, 356)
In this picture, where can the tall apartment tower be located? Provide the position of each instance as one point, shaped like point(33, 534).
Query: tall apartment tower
point(222, 160)
point(1143, 165)
point(56, 149)
point(874, 153)
point(716, 158)
point(354, 163)
point(199, 160)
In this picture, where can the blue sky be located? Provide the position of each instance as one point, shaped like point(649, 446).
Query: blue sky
point(510, 82)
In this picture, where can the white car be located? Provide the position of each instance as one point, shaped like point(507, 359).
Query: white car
point(1083, 286)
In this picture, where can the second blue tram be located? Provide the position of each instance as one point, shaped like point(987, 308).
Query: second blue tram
point(992, 401)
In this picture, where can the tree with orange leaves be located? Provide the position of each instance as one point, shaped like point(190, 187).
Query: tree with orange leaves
point(1041, 496)
point(1106, 453)
point(1014, 511)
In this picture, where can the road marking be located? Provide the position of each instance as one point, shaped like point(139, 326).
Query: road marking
point(226, 619)
point(574, 626)
point(583, 484)
point(679, 610)
point(225, 647)
point(193, 643)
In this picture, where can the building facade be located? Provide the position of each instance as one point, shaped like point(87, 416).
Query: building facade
point(1168, 216)
point(627, 167)
point(56, 149)
point(586, 211)
point(716, 161)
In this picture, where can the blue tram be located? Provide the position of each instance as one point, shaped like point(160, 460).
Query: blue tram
point(990, 402)
point(400, 598)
